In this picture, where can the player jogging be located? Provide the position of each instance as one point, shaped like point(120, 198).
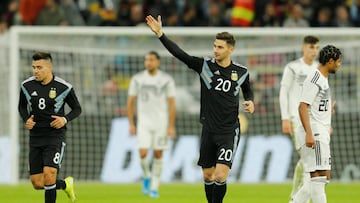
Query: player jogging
point(41, 106)
point(314, 134)
point(221, 80)
point(154, 91)
point(292, 81)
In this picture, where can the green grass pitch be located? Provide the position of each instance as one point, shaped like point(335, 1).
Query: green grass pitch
point(175, 193)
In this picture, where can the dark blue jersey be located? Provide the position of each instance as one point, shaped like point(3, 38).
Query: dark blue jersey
point(220, 88)
point(43, 101)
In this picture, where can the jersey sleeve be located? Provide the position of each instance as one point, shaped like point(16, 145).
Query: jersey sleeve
point(248, 93)
point(192, 62)
point(23, 106)
point(309, 91)
point(73, 102)
point(133, 89)
point(170, 89)
point(286, 82)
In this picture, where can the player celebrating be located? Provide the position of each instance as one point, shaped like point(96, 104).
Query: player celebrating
point(41, 106)
point(154, 91)
point(293, 77)
point(315, 114)
point(221, 80)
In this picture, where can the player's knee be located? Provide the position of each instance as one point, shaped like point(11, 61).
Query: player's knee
point(158, 154)
point(220, 176)
point(37, 184)
point(208, 176)
point(50, 176)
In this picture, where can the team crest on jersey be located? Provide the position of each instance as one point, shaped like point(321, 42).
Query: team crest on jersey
point(234, 75)
point(52, 93)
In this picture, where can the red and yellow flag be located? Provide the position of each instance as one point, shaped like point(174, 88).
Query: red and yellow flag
point(242, 13)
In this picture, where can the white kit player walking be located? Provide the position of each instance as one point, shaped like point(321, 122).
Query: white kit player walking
point(313, 135)
point(292, 81)
point(154, 92)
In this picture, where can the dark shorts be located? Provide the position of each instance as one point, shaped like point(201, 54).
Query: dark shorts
point(45, 151)
point(218, 147)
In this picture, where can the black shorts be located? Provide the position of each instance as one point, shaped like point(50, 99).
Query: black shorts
point(218, 147)
point(45, 151)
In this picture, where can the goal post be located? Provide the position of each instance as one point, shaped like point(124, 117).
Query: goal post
point(99, 62)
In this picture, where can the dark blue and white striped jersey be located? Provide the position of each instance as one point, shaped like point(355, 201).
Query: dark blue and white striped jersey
point(43, 101)
point(220, 88)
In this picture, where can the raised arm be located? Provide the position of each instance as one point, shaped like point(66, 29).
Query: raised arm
point(191, 61)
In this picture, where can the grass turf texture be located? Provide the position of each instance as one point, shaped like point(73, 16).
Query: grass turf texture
point(175, 193)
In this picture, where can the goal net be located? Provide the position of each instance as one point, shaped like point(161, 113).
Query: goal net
point(99, 62)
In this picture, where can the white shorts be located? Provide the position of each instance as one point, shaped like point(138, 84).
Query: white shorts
point(318, 158)
point(152, 138)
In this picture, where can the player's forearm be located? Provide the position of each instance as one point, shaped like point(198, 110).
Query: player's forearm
point(247, 91)
point(22, 108)
point(74, 113)
point(283, 101)
point(172, 112)
point(304, 117)
point(130, 111)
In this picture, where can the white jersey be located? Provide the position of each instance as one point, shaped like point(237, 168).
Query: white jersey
point(152, 92)
point(292, 81)
point(316, 93)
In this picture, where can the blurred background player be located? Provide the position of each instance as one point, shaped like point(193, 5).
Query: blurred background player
point(221, 80)
point(293, 77)
point(41, 106)
point(313, 135)
point(154, 92)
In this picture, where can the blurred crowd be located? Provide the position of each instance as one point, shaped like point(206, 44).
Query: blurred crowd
point(240, 13)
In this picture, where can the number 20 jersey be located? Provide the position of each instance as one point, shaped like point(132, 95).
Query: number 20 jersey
point(316, 93)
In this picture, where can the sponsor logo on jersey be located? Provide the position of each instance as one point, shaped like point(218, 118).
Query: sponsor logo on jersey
point(52, 93)
point(217, 72)
point(234, 75)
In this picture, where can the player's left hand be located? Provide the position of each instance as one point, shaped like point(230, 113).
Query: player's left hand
point(171, 132)
point(333, 107)
point(58, 122)
point(249, 106)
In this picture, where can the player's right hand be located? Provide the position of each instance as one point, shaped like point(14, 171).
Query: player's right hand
point(155, 25)
point(286, 127)
point(309, 140)
point(132, 129)
point(30, 123)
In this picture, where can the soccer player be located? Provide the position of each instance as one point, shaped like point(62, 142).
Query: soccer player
point(315, 114)
point(154, 92)
point(292, 80)
point(221, 80)
point(41, 106)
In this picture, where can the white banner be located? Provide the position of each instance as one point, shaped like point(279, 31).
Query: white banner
point(122, 163)
point(5, 160)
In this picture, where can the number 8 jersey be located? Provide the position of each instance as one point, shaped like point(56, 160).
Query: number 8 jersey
point(44, 101)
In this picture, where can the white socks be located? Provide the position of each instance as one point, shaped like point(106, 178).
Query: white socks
point(317, 189)
point(303, 194)
point(156, 173)
point(145, 167)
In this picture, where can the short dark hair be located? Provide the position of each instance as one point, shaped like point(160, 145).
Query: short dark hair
point(310, 39)
point(329, 52)
point(42, 55)
point(229, 38)
point(155, 54)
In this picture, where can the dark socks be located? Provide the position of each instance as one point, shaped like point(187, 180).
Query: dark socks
point(209, 189)
point(50, 193)
point(60, 184)
point(219, 192)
